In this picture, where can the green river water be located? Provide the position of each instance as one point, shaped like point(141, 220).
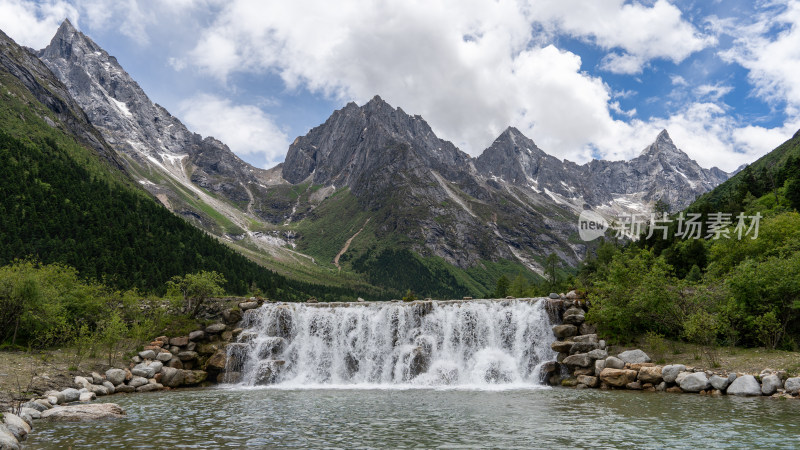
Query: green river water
point(431, 418)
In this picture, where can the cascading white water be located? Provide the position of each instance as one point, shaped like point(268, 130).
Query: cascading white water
point(470, 343)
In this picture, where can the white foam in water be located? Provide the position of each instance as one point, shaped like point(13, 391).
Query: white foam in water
point(451, 345)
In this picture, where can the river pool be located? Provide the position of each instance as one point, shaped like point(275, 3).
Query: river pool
point(403, 417)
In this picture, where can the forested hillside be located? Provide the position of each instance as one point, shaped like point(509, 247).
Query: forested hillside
point(739, 284)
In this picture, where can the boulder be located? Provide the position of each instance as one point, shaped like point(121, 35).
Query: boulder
point(661, 387)
point(574, 316)
point(614, 363)
point(97, 378)
point(81, 382)
point(110, 386)
point(97, 389)
point(721, 383)
point(670, 372)
point(147, 369)
point(191, 377)
point(231, 316)
point(565, 331)
point(599, 365)
point(35, 405)
point(115, 376)
point(70, 395)
point(554, 296)
point(7, 439)
point(81, 413)
point(695, 382)
point(598, 354)
point(175, 363)
point(149, 387)
point(179, 341)
point(634, 386)
point(562, 346)
point(634, 356)
point(147, 354)
point(87, 397)
point(674, 390)
point(208, 349)
point(18, 427)
point(267, 371)
point(226, 335)
point(245, 306)
point(187, 356)
point(164, 356)
point(650, 374)
point(681, 376)
point(746, 385)
point(588, 380)
point(601, 344)
point(215, 328)
point(171, 377)
point(124, 389)
point(217, 361)
point(617, 377)
point(578, 360)
point(137, 381)
point(582, 347)
point(586, 338)
point(584, 371)
point(792, 385)
point(197, 335)
point(770, 384)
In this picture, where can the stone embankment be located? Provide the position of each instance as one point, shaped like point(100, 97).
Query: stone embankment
point(584, 362)
point(196, 359)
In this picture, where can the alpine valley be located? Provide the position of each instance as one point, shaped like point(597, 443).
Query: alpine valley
point(371, 200)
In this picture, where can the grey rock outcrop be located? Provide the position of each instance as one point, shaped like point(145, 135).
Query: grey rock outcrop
point(634, 356)
point(746, 385)
point(695, 382)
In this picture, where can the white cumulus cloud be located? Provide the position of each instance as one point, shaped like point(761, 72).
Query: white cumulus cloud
point(246, 129)
point(33, 23)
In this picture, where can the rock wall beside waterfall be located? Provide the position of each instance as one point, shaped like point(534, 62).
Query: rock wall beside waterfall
point(423, 343)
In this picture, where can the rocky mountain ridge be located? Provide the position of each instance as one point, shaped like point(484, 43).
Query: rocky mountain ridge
point(369, 182)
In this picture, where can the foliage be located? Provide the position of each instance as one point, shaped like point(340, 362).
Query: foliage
point(196, 288)
point(410, 296)
point(502, 288)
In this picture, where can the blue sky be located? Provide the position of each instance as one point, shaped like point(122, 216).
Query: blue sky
point(584, 79)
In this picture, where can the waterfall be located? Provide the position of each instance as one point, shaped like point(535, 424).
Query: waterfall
point(423, 343)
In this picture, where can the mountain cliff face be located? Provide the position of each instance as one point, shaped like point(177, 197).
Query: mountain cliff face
point(660, 172)
point(372, 195)
point(153, 140)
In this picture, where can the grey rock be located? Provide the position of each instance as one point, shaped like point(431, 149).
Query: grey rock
point(574, 316)
point(97, 389)
point(565, 331)
point(582, 347)
point(125, 389)
point(197, 335)
point(84, 412)
point(179, 341)
point(554, 296)
point(601, 344)
point(7, 439)
point(586, 338)
point(81, 382)
point(244, 306)
point(578, 360)
point(770, 384)
point(70, 395)
point(599, 365)
point(35, 405)
point(187, 356)
point(109, 386)
point(614, 363)
point(164, 356)
point(115, 376)
point(171, 377)
point(634, 356)
point(32, 413)
point(695, 382)
point(216, 328)
point(149, 387)
point(792, 385)
point(18, 427)
point(746, 385)
point(670, 372)
point(87, 397)
point(97, 378)
point(720, 383)
point(598, 354)
point(137, 381)
point(147, 369)
point(661, 387)
point(147, 354)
